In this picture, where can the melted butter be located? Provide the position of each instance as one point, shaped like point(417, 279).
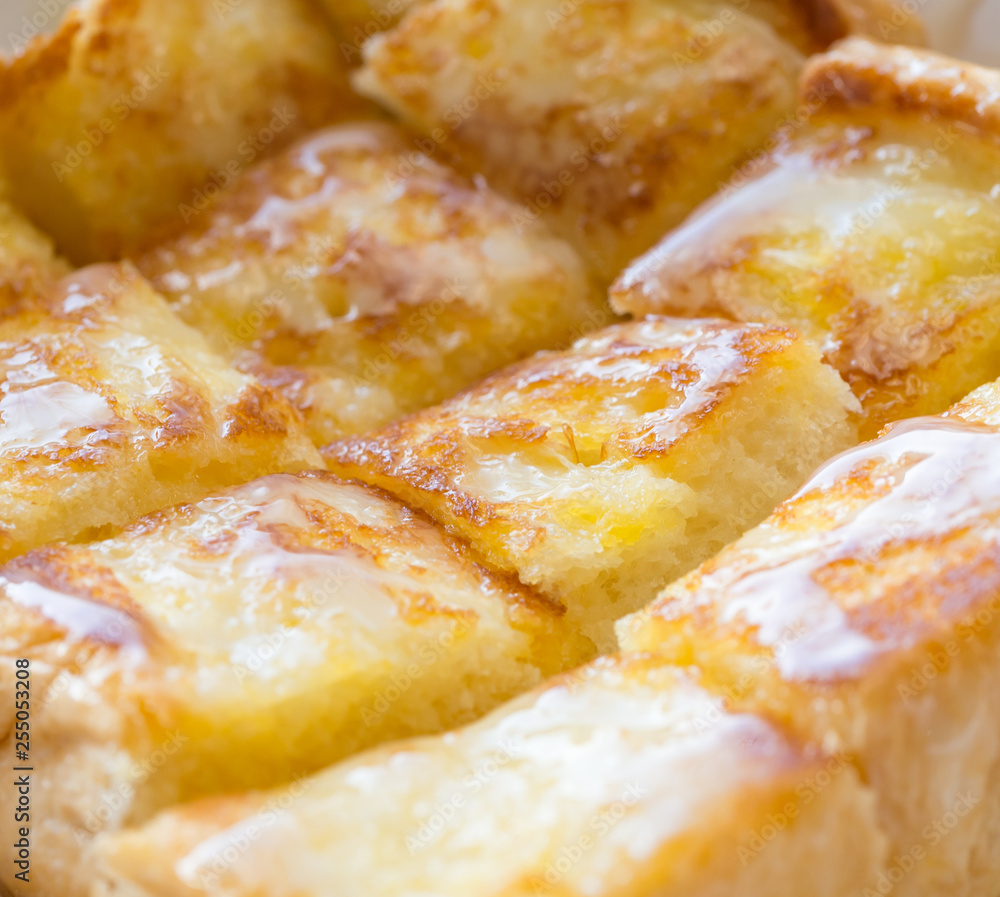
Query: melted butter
point(47, 416)
point(80, 618)
point(94, 284)
point(278, 219)
point(779, 198)
point(268, 576)
point(941, 476)
point(714, 355)
point(280, 497)
point(665, 373)
point(368, 139)
point(145, 358)
point(848, 207)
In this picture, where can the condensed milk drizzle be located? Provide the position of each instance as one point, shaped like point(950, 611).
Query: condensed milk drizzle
point(79, 617)
point(937, 475)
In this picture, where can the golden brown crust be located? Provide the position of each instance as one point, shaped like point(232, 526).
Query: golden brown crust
point(628, 394)
point(206, 89)
point(364, 280)
point(110, 407)
point(589, 473)
point(865, 612)
point(861, 74)
point(871, 226)
point(625, 138)
point(267, 631)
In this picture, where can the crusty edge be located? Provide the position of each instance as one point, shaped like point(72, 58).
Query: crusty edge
point(881, 19)
point(859, 73)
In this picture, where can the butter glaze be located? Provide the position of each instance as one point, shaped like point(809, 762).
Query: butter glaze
point(261, 559)
point(930, 477)
point(79, 617)
point(39, 410)
point(365, 280)
point(652, 379)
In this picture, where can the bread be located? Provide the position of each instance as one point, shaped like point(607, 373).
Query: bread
point(27, 259)
point(611, 120)
point(863, 614)
point(872, 228)
point(600, 473)
point(625, 778)
point(110, 407)
point(365, 281)
point(245, 640)
point(132, 109)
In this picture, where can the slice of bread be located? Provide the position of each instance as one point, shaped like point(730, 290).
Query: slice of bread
point(623, 779)
point(366, 281)
point(612, 121)
point(872, 227)
point(864, 613)
point(110, 407)
point(131, 109)
point(600, 473)
point(242, 641)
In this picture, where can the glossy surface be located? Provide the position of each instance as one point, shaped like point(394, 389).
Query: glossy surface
point(927, 481)
point(365, 280)
point(268, 630)
point(611, 121)
point(596, 473)
point(204, 90)
point(864, 613)
point(624, 778)
point(872, 228)
point(110, 408)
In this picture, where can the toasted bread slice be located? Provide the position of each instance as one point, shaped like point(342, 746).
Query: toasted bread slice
point(133, 108)
point(611, 120)
point(110, 407)
point(624, 779)
point(864, 614)
point(27, 258)
point(872, 227)
point(366, 281)
point(601, 473)
point(253, 637)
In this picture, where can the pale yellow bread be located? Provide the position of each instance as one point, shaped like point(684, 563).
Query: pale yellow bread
point(872, 227)
point(110, 407)
point(622, 779)
point(864, 613)
point(131, 108)
point(27, 258)
point(239, 642)
point(611, 119)
point(600, 473)
point(365, 281)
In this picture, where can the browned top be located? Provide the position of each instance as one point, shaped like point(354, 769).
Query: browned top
point(859, 73)
point(535, 458)
point(889, 546)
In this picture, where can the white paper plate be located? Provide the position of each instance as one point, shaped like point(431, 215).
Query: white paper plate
point(966, 28)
